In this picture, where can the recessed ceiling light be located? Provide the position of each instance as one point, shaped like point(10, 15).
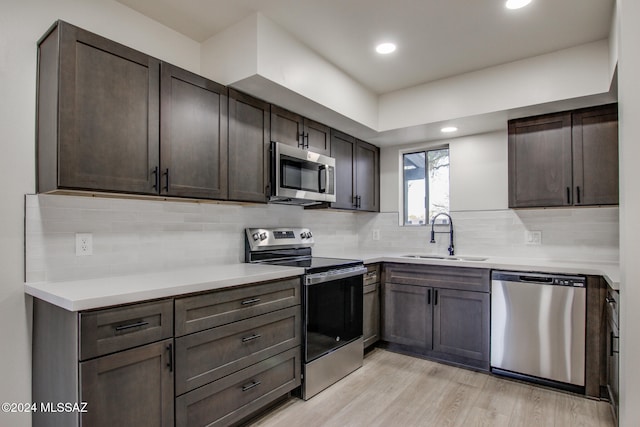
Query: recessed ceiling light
point(448, 129)
point(385, 48)
point(516, 4)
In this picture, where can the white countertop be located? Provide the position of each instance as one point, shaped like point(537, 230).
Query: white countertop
point(96, 293)
point(610, 271)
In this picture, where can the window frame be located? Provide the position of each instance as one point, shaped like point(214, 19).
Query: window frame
point(404, 188)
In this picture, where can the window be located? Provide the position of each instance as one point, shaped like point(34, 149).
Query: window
point(426, 185)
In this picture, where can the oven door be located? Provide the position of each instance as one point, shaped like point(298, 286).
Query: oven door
point(301, 174)
point(333, 310)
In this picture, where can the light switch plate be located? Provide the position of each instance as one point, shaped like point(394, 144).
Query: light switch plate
point(532, 237)
point(376, 234)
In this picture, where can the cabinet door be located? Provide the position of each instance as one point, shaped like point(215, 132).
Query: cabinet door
point(407, 315)
point(286, 127)
point(595, 156)
point(540, 171)
point(317, 137)
point(367, 177)
point(130, 388)
point(461, 324)
point(249, 125)
point(343, 150)
point(108, 107)
point(371, 314)
point(193, 135)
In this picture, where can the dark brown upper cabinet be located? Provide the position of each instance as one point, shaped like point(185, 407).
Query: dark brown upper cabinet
point(564, 159)
point(595, 156)
point(98, 114)
point(193, 135)
point(113, 119)
point(249, 126)
point(357, 173)
point(292, 129)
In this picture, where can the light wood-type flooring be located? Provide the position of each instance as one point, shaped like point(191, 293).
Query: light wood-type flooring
point(396, 390)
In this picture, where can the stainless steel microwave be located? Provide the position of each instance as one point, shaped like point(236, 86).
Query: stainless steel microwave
point(301, 177)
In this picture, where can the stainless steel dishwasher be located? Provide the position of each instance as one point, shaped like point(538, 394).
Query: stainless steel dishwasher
point(538, 328)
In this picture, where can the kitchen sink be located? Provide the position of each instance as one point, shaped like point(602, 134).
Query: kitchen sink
point(449, 258)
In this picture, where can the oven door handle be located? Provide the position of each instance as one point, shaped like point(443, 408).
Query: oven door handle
point(314, 279)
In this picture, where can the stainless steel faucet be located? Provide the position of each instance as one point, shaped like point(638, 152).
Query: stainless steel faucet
point(433, 232)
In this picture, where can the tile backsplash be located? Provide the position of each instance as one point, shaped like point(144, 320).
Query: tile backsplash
point(137, 236)
point(572, 234)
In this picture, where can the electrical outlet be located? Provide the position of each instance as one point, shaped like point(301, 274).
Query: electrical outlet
point(84, 244)
point(376, 234)
point(532, 237)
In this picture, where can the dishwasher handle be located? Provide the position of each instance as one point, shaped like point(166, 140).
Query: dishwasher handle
point(536, 279)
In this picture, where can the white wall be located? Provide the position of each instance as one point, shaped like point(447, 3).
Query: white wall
point(478, 172)
point(570, 73)
point(629, 111)
point(22, 23)
point(232, 54)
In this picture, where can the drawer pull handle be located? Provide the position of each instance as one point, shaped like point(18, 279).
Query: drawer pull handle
point(133, 325)
point(250, 301)
point(251, 338)
point(251, 385)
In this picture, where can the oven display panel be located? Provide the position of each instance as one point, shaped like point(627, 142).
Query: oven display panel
point(283, 235)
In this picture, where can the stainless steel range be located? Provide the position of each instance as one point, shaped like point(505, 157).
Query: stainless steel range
point(332, 303)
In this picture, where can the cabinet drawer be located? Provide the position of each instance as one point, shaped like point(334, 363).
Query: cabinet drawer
point(114, 329)
point(236, 396)
point(196, 313)
point(206, 356)
point(462, 278)
point(372, 275)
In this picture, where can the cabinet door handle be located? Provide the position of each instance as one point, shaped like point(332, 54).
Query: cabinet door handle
point(435, 297)
point(251, 337)
point(301, 141)
point(166, 183)
point(578, 193)
point(156, 178)
point(131, 326)
point(611, 338)
point(354, 201)
point(170, 362)
point(428, 296)
point(250, 301)
point(251, 385)
point(306, 136)
point(568, 195)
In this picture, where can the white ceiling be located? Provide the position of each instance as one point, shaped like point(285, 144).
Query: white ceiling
point(435, 38)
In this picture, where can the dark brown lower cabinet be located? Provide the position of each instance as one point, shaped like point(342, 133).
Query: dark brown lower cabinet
point(371, 306)
point(408, 316)
point(236, 396)
point(461, 321)
point(438, 321)
point(133, 387)
point(237, 350)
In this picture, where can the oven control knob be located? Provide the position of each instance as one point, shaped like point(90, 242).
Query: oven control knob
point(304, 235)
point(256, 236)
point(309, 235)
point(263, 236)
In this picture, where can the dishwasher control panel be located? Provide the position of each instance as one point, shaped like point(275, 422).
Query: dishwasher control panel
point(571, 281)
point(540, 278)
